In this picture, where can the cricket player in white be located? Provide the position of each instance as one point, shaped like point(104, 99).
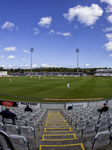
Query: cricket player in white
point(68, 85)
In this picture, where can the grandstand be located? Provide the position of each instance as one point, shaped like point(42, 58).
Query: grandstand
point(103, 73)
point(49, 74)
point(81, 128)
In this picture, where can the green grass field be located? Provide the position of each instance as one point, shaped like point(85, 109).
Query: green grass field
point(45, 87)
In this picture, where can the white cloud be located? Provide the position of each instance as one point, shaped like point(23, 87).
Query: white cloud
point(109, 18)
point(36, 31)
point(45, 22)
point(3, 66)
point(85, 15)
point(50, 65)
point(66, 34)
point(108, 46)
point(92, 27)
point(76, 26)
point(109, 9)
point(10, 66)
point(108, 29)
point(87, 65)
point(52, 31)
point(25, 66)
point(109, 36)
point(8, 49)
point(10, 57)
point(110, 55)
point(2, 56)
point(107, 1)
point(34, 65)
point(8, 25)
point(26, 51)
point(23, 59)
point(35, 62)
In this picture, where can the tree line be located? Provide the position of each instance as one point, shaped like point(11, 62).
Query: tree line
point(89, 71)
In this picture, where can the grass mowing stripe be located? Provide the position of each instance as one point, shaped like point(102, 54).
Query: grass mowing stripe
point(103, 87)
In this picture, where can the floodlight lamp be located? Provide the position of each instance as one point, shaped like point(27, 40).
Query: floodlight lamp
point(32, 50)
point(77, 50)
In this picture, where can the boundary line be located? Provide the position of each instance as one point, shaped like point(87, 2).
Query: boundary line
point(88, 99)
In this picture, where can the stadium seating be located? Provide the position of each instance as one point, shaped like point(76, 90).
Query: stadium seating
point(49, 74)
point(80, 124)
point(29, 126)
point(102, 126)
point(11, 129)
point(8, 121)
point(20, 123)
point(1, 118)
point(101, 138)
point(2, 127)
point(5, 142)
point(27, 131)
point(19, 142)
point(96, 126)
point(88, 129)
point(33, 124)
point(23, 129)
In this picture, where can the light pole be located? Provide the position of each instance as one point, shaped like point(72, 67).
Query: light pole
point(77, 51)
point(32, 50)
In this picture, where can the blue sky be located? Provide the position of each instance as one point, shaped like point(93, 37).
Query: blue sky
point(55, 29)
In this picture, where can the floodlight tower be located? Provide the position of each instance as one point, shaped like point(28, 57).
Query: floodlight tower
point(77, 51)
point(32, 50)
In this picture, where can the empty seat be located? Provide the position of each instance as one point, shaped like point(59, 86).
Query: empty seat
point(88, 130)
point(102, 138)
point(25, 117)
point(93, 120)
point(80, 124)
point(20, 122)
point(74, 120)
point(1, 118)
point(19, 142)
point(102, 126)
point(27, 131)
point(5, 142)
point(2, 127)
point(33, 124)
point(11, 129)
point(8, 121)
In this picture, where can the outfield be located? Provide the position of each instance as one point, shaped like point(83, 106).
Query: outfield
point(56, 88)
